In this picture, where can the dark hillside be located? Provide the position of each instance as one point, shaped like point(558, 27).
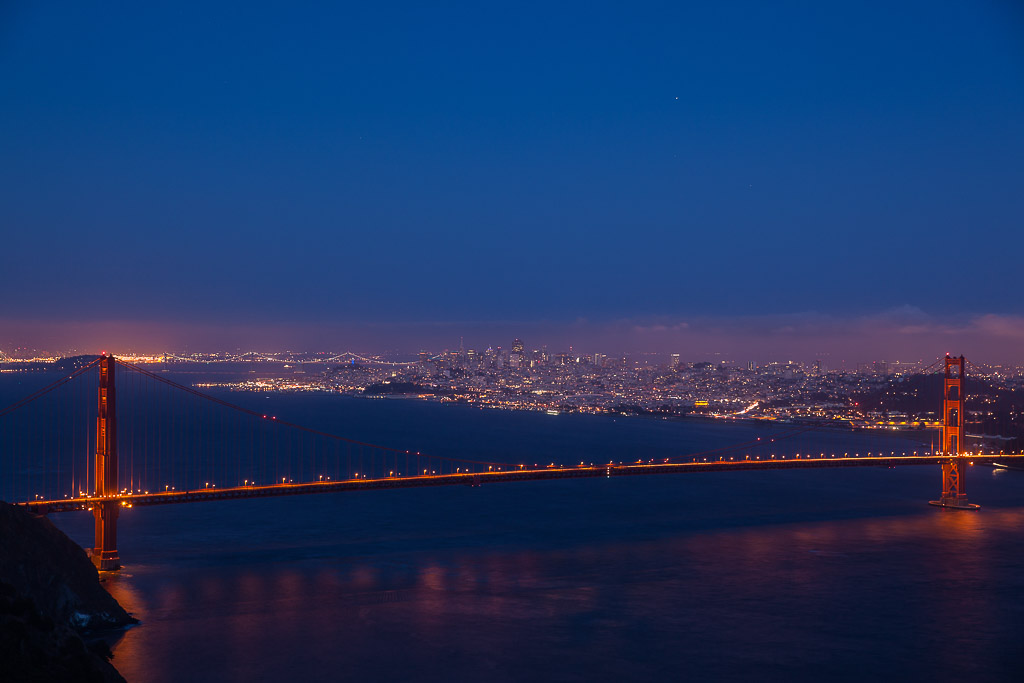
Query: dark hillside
point(51, 605)
point(990, 410)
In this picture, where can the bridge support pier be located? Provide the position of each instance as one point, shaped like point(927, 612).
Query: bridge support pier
point(953, 495)
point(953, 471)
point(104, 554)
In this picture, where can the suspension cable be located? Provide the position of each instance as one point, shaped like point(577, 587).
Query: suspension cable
point(47, 389)
point(285, 423)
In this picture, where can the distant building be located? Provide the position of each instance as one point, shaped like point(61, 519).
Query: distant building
point(515, 359)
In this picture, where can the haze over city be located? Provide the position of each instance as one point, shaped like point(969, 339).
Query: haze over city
point(902, 334)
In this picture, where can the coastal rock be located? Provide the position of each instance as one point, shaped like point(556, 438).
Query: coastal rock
point(51, 602)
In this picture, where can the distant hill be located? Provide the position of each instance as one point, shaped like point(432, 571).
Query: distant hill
point(394, 388)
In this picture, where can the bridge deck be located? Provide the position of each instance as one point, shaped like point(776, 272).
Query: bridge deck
point(520, 474)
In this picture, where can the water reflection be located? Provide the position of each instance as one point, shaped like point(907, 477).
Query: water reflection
point(615, 588)
point(781, 600)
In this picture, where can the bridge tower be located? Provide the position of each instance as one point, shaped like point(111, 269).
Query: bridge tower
point(954, 494)
point(104, 554)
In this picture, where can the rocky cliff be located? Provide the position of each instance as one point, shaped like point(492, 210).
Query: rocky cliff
point(51, 605)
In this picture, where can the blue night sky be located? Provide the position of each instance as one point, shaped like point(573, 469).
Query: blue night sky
point(387, 173)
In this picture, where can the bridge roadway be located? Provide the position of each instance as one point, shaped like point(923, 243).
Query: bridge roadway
point(513, 473)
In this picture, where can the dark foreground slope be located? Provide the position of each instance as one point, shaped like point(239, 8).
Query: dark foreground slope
point(51, 605)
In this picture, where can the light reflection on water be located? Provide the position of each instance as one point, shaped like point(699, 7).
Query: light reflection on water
point(825, 575)
point(512, 595)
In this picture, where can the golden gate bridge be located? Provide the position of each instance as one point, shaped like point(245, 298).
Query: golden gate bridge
point(142, 439)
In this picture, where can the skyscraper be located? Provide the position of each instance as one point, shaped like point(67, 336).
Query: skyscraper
point(515, 359)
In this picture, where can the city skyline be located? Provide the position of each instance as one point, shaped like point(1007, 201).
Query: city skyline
point(903, 334)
